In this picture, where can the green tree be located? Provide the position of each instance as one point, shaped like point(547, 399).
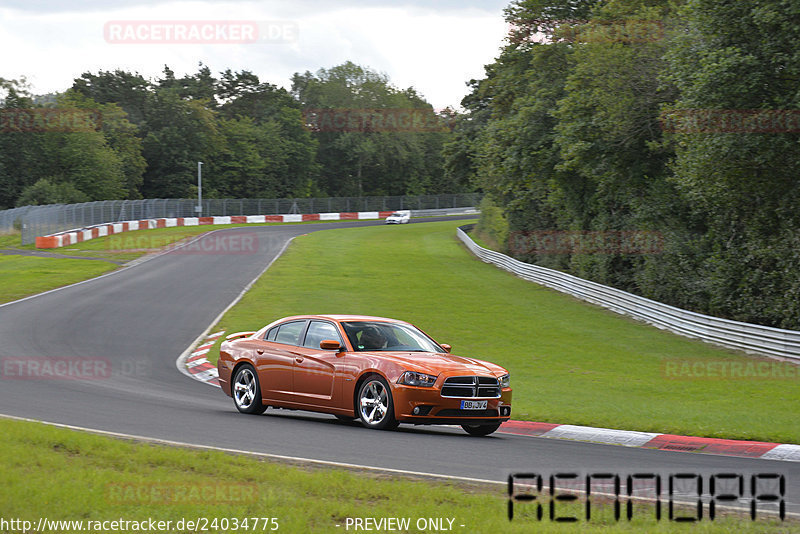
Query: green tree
point(72, 153)
point(199, 86)
point(50, 191)
point(741, 185)
point(253, 163)
point(120, 134)
point(584, 122)
point(608, 131)
point(509, 132)
point(369, 159)
point(293, 171)
point(18, 150)
point(130, 91)
point(179, 134)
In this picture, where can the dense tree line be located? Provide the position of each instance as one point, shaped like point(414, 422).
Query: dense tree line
point(117, 135)
point(646, 144)
point(675, 121)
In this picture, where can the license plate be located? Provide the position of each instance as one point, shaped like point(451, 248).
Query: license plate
point(473, 405)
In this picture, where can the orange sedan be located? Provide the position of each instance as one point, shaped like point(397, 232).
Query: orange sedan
point(381, 371)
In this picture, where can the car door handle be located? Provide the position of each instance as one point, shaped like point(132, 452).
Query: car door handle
point(299, 359)
point(259, 351)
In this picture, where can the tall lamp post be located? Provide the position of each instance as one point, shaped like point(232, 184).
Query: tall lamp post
point(199, 208)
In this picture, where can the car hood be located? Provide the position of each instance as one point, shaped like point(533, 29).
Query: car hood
point(434, 363)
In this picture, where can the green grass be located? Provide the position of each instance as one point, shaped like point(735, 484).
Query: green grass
point(484, 240)
point(570, 362)
point(68, 475)
point(21, 276)
point(9, 240)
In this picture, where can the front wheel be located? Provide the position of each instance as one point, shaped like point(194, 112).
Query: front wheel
point(375, 406)
point(247, 391)
point(480, 430)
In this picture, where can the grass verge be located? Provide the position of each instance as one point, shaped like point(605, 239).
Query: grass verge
point(61, 474)
point(570, 362)
point(23, 276)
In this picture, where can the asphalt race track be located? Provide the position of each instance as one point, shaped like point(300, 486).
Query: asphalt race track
point(140, 319)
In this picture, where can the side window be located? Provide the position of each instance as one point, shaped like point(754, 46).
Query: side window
point(319, 331)
point(271, 333)
point(289, 333)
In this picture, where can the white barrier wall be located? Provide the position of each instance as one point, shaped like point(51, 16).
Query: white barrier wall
point(732, 334)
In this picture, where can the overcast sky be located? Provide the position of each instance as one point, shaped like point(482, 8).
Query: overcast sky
point(435, 46)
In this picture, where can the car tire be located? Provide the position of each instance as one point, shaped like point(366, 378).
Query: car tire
point(374, 404)
point(480, 430)
point(246, 391)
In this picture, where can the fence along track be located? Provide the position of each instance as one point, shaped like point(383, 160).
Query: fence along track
point(749, 337)
point(35, 221)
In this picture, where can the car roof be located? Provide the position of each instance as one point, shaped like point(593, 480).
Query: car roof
point(340, 318)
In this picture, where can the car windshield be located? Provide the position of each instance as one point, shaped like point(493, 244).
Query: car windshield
point(382, 336)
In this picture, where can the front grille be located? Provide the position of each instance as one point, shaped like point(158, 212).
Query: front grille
point(484, 387)
point(455, 412)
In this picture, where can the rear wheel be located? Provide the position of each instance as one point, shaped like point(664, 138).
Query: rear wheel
point(246, 391)
point(480, 430)
point(374, 404)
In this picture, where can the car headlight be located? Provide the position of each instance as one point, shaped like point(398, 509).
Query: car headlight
point(505, 380)
point(411, 378)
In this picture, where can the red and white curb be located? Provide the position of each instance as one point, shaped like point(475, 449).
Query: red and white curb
point(198, 366)
point(650, 440)
point(201, 369)
point(62, 239)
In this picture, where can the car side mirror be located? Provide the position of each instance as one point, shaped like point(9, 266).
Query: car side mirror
point(447, 348)
point(329, 344)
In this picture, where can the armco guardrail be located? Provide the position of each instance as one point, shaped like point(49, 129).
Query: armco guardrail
point(469, 210)
point(732, 334)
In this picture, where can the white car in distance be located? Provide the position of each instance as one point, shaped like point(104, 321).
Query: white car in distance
point(399, 217)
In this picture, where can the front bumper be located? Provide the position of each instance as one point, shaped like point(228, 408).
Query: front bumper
point(436, 409)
